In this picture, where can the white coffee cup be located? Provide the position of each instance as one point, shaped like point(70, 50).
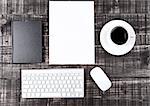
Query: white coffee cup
point(117, 37)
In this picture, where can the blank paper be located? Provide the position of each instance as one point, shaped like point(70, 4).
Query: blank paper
point(71, 32)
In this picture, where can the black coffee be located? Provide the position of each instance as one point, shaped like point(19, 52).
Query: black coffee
point(119, 35)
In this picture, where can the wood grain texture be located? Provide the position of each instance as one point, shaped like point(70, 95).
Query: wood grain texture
point(130, 74)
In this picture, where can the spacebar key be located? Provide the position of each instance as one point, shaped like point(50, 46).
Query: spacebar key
point(50, 95)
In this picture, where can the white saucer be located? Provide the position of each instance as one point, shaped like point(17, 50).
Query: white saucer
point(109, 45)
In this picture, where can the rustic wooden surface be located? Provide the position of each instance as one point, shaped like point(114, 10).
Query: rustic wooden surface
point(130, 74)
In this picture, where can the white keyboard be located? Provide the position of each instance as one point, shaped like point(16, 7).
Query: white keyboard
point(52, 83)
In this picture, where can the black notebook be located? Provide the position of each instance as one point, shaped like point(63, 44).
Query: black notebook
point(27, 41)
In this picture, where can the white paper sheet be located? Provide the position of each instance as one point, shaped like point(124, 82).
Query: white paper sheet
point(71, 32)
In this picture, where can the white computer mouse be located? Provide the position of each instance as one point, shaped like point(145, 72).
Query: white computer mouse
point(100, 78)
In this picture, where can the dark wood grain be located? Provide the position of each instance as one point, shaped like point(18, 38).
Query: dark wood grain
point(130, 74)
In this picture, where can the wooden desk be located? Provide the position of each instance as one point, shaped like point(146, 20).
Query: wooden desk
point(130, 74)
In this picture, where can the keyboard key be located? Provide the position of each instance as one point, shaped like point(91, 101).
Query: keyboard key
point(42, 90)
point(63, 94)
point(37, 95)
point(59, 90)
point(38, 90)
point(33, 90)
point(46, 90)
point(44, 86)
point(26, 86)
point(24, 90)
point(78, 90)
